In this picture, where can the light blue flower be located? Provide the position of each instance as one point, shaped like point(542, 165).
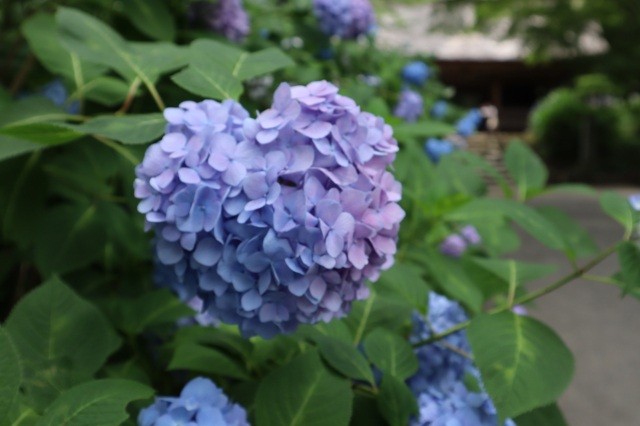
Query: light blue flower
point(416, 72)
point(437, 148)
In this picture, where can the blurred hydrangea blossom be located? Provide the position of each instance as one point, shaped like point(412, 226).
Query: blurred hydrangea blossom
point(439, 109)
point(416, 72)
point(201, 403)
point(469, 124)
point(348, 19)
point(437, 148)
point(634, 200)
point(443, 398)
point(456, 244)
point(57, 93)
point(278, 220)
point(225, 17)
point(410, 105)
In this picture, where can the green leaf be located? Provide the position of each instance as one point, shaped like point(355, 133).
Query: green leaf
point(336, 329)
point(456, 178)
point(47, 134)
point(523, 363)
point(12, 147)
point(549, 415)
point(516, 272)
point(366, 413)
point(128, 129)
point(344, 358)
point(396, 402)
point(108, 91)
point(152, 308)
point(11, 373)
point(530, 220)
point(578, 242)
point(374, 312)
point(422, 129)
point(215, 337)
point(303, 393)
point(216, 70)
point(452, 280)
point(480, 163)
point(526, 168)
point(629, 258)
point(404, 282)
point(194, 357)
point(619, 208)
point(569, 188)
point(391, 353)
point(32, 110)
point(41, 32)
point(61, 338)
point(151, 17)
point(70, 237)
point(100, 402)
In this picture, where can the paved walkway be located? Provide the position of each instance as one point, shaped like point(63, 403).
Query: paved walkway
point(602, 330)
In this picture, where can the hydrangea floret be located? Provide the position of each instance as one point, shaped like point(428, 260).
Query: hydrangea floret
point(225, 17)
point(456, 244)
point(469, 124)
point(416, 72)
point(348, 19)
point(201, 403)
point(438, 148)
point(278, 220)
point(439, 109)
point(410, 105)
point(439, 385)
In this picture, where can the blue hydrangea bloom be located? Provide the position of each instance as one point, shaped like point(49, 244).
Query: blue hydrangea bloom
point(273, 221)
point(348, 19)
point(436, 149)
point(468, 124)
point(225, 17)
point(634, 200)
point(416, 72)
point(439, 109)
point(201, 403)
point(443, 399)
point(57, 93)
point(410, 105)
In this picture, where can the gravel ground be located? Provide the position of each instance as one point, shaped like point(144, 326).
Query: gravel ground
point(601, 329)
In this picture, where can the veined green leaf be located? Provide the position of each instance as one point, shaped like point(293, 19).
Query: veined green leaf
point(396, 402)
point(629, 258)
point(618, 208)
point(151, 17)
point(11, 373)
point(344, 358)
point(391, 353)
point(526, 168)
point(194, 357)
point(128, 129)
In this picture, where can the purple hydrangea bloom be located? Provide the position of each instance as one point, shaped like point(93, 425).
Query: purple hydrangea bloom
point(470, 234)
point(348, 19)
point(439, 109)
point(410, 105)
point(454, 246)
point(436, 149)
point(443, 399)
point(200, 403)
point(278, 220)
point(225, 17)
point(520, 310)
point(468, 124)
point(416, 72)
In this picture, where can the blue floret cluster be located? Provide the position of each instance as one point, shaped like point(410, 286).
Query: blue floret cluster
point(273, 221)
point(438, 148)
point(469, 124)
point(443, 398)
point(225, 17)
point(347, 19)
point(416, 72)
point(439, 109)
point(201, 403)
point(410, 105)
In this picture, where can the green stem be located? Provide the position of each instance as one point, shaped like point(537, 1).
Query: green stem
point(155, 95)
point(529, 297)
point(130, 95)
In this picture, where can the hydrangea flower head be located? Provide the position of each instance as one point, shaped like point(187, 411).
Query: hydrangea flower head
point(278, 220)
point(439, 109)
point(468, 124)
point(634, 200)
point(416, 72)
point(437, 148)
point(348, 19)
point(410, 105)
point(225, 17)
point(471, 235)
point(201, 403)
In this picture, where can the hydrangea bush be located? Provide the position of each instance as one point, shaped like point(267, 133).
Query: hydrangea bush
point(197, 233)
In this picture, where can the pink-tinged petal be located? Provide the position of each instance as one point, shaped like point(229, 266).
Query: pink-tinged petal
point(173, 115)
point(169, 253)
point(328, 211)
point(318, 288)
point(163, 180)
point(173, 142)
point(354, 201)
point(251, 300)
point(208, 252)
point(317, 130)
point(357, 255)
point(267, 136)
point(302, 157)
point(385, 245)
point(311, 100)
point(373, 219)
point(332, 301)
point(188, 176)
point(234, 174)
point(392, 213)
point(334, 243)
